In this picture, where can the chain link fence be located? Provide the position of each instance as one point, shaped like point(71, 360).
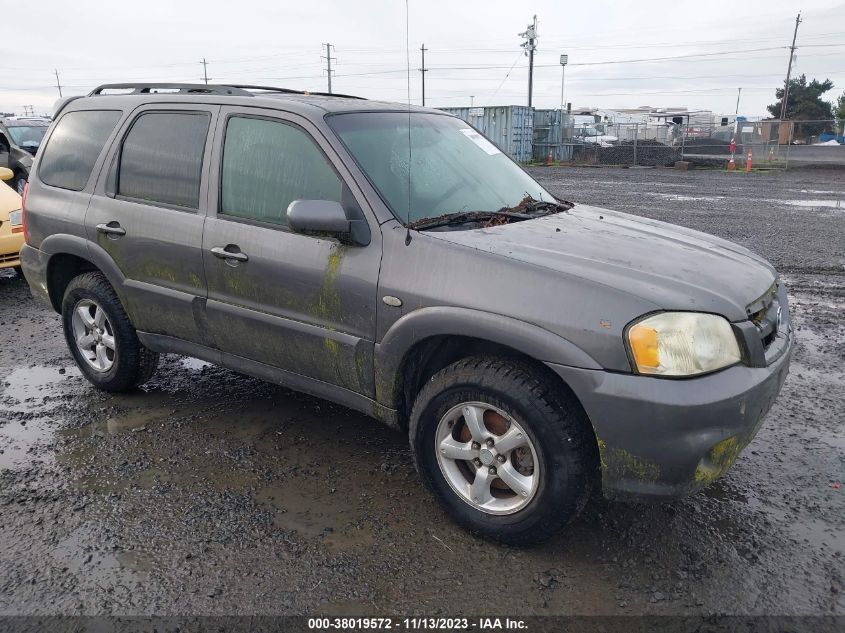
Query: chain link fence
point(769, 144)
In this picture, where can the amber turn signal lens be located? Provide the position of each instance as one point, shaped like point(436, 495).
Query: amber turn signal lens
point(643, 340)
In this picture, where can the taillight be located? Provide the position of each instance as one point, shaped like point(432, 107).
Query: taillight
point(23, 213)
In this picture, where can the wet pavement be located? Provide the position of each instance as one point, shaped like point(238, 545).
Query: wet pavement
point(207, 492)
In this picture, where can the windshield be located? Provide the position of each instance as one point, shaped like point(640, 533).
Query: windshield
point(27, 135)
point(590, 131)
point(453, 168)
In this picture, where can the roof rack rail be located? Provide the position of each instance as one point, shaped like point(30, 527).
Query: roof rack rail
point(151, 87)
point(242, 90)
point(298, 92)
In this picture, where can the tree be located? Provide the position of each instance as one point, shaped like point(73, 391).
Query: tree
point(805, 104)
point(840, 112)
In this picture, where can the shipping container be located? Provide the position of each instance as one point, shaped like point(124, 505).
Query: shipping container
point(511, 128)
point(550, 137)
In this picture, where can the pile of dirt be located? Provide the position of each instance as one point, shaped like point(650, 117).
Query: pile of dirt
point(649, 153)
point(710, 146)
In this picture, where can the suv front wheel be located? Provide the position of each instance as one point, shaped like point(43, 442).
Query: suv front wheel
point(507, 451)
point(101, 338)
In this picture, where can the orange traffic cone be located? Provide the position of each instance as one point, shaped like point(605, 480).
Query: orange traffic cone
point(748, 163)
point(549, 159)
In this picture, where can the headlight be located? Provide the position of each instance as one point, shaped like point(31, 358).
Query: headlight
point(682, 344)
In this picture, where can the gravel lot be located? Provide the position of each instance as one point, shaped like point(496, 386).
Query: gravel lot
point(214, 493)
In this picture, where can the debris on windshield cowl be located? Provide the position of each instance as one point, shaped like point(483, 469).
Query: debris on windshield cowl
point(527, 209)
point(531, 205)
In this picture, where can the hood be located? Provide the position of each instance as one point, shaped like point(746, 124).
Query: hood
point(670, 266)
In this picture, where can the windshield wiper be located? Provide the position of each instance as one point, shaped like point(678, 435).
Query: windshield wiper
point(464, 217)
point(527, 209)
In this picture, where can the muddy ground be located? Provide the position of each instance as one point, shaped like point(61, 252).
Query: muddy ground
point(212, 493)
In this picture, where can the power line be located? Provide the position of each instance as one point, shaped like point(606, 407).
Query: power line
point(502, 83)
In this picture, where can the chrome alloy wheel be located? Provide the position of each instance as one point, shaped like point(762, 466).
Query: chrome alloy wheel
point(93, 334)
point(487, 458)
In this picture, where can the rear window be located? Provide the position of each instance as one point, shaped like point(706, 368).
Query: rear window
point(161, 159)
point(74, 146)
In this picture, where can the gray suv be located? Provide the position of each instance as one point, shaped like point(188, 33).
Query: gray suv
point(393, 260)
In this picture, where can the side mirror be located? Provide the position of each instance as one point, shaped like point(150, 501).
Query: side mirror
point(318, 216)
point(6, 174)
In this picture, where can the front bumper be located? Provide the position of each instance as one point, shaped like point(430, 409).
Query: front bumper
point(10, 246)
point(668, 438)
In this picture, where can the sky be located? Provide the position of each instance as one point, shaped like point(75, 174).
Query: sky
point(621, 54)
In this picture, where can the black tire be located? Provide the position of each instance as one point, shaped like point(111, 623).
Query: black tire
point(555, 423)
point(19, 182)
point(133, 363)
point(19, 271)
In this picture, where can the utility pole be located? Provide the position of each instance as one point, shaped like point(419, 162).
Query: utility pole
point(472, 101)
point(58, 83)
point(530, 45)
point(739, 92)
point(789, 69)
point(28, 110)
point(329, 59)
point(423, 70)
point(204, 70)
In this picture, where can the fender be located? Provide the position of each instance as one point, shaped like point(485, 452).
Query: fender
point(424, 323)
point(64, 244)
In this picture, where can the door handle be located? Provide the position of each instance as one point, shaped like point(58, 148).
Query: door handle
point(222, 253)
point(112, 228)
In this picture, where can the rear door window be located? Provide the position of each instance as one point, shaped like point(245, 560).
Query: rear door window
point(269, 164)
point(161, 158)
point(74, 146)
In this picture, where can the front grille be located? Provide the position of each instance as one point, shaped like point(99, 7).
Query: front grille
point(5, 259)
point(766, 313)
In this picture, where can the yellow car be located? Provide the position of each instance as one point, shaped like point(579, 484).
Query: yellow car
point(11, 224)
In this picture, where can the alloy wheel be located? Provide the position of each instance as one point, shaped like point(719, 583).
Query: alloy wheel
point(487, 458)
point(93, 334)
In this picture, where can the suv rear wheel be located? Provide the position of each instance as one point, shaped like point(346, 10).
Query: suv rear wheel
point(101, 338)
point(508, 453)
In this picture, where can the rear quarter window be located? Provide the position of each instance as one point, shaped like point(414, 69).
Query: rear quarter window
point(74, 146)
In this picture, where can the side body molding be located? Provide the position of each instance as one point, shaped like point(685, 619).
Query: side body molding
point(424, 323)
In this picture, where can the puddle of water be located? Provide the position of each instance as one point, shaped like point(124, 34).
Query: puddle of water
point(832, 204)
point(76, 553)
point(19, 442)
point(27, 385)
point(24, 390)
point(136, 420)
point(194, 364)
point(313, 510)
point(682, 198)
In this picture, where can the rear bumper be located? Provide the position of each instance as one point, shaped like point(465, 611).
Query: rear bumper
point(34, 264)
point(669, 438)
point(10, 245)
